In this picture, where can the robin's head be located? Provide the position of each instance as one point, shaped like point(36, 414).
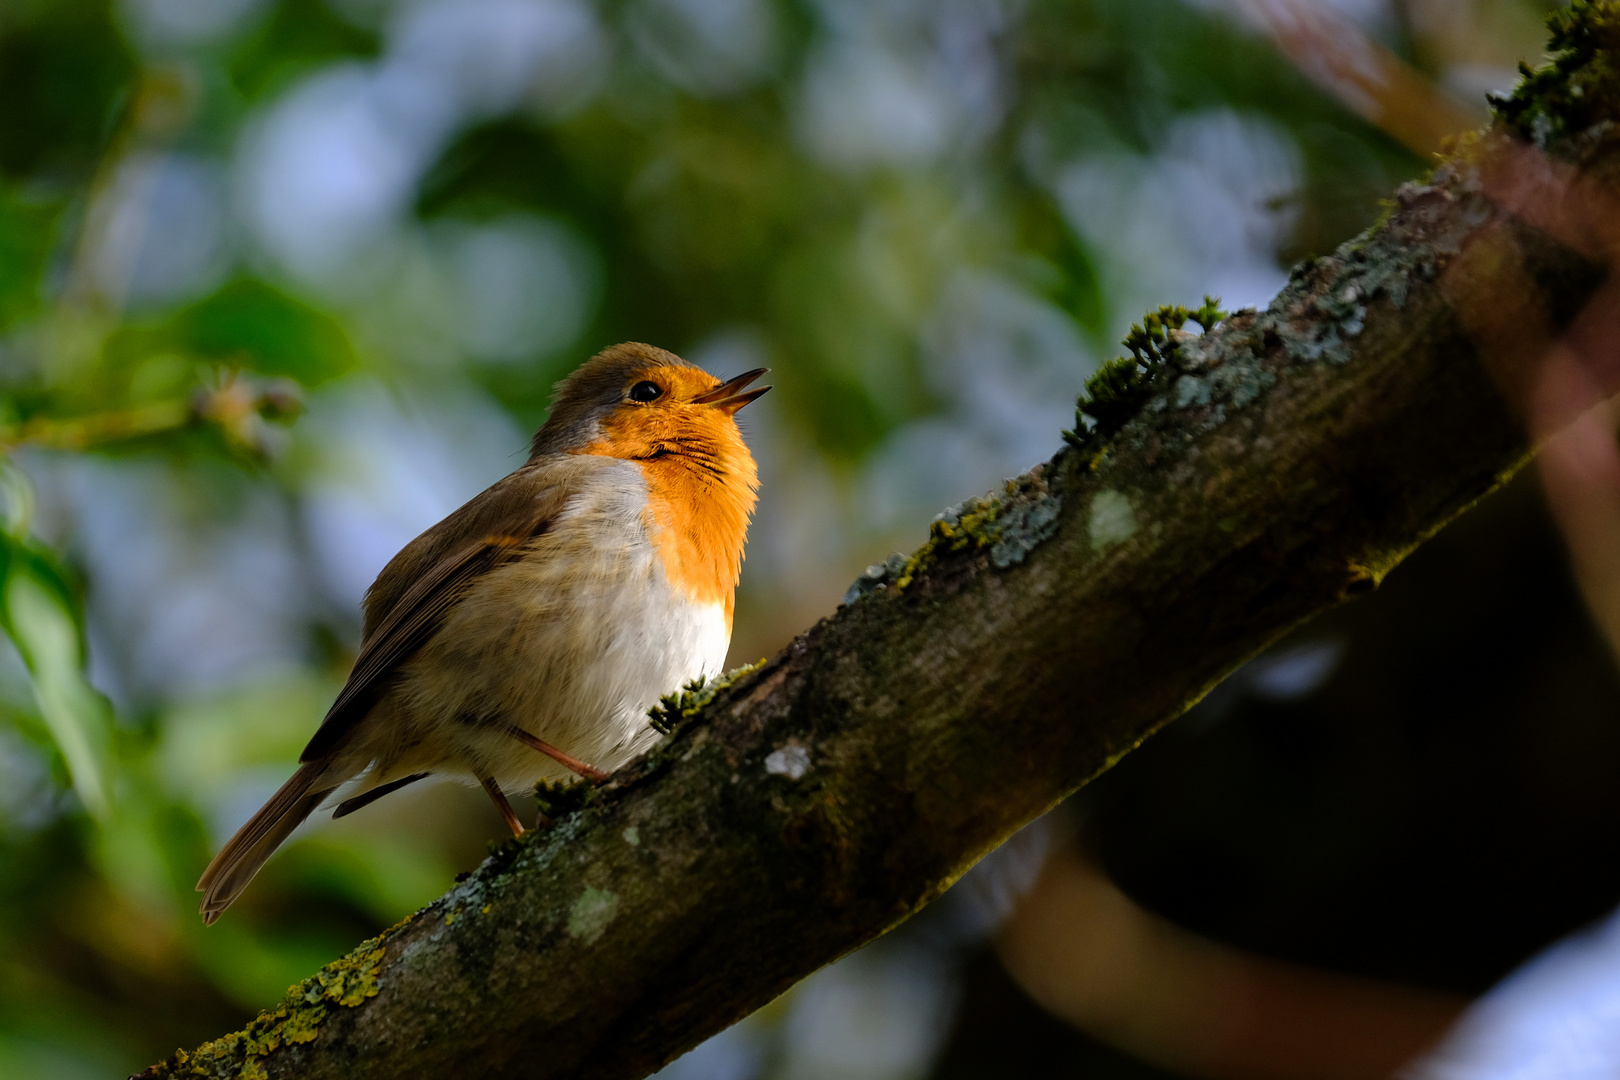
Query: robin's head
point(639, 402)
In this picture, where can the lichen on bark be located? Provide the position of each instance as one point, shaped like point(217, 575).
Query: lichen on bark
point(344, 983)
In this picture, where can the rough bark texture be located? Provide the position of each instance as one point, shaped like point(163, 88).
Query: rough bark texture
point(1284, 462)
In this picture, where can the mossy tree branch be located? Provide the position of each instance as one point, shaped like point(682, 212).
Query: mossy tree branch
point(1272, 467)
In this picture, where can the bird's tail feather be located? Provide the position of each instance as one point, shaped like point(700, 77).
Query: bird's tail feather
point(256, 841)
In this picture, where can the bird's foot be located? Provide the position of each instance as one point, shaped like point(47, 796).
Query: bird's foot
point(567, 761)
point(498, 797)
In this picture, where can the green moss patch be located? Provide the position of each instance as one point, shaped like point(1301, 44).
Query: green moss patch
point(1574, 95)
point(675, 709)
point(1118, 389)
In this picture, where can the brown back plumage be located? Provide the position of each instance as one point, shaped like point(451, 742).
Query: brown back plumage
point(404, 607)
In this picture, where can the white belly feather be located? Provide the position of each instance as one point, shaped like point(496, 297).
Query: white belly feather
point(574, 643)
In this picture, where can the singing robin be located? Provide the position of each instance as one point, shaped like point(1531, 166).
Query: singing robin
point(525, 636)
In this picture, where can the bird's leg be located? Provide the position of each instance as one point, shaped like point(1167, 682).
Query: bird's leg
point(498, 797)
point(567, 761)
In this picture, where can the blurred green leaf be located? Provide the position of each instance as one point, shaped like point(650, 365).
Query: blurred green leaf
point(41, 620)
point(263, 329)
point(378, 873)
point(64, 76)
point(27, 230)
point(67, 1057)
point(297, 36)
point(254, 965)
point(244, 325)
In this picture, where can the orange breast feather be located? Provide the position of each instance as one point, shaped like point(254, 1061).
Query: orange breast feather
point(700, 477)
point(699, 524)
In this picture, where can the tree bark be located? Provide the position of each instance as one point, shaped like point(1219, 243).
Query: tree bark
point(1282, 463)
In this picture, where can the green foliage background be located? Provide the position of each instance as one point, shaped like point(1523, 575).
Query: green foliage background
point(683, 183)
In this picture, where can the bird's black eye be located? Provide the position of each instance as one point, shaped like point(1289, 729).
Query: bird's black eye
point(646, 391)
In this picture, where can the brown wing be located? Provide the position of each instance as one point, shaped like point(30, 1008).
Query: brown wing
point(407, 603)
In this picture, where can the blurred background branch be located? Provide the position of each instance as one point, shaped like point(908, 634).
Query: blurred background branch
point(1090, 955)
point(1364, 74)
point(235, 406)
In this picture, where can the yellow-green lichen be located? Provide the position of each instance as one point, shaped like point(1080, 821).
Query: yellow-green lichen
point(239, 1056)
point(1008, 527)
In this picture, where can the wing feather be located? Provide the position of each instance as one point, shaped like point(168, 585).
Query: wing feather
point(408, 602)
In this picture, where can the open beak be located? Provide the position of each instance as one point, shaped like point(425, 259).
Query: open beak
point(726, 396)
